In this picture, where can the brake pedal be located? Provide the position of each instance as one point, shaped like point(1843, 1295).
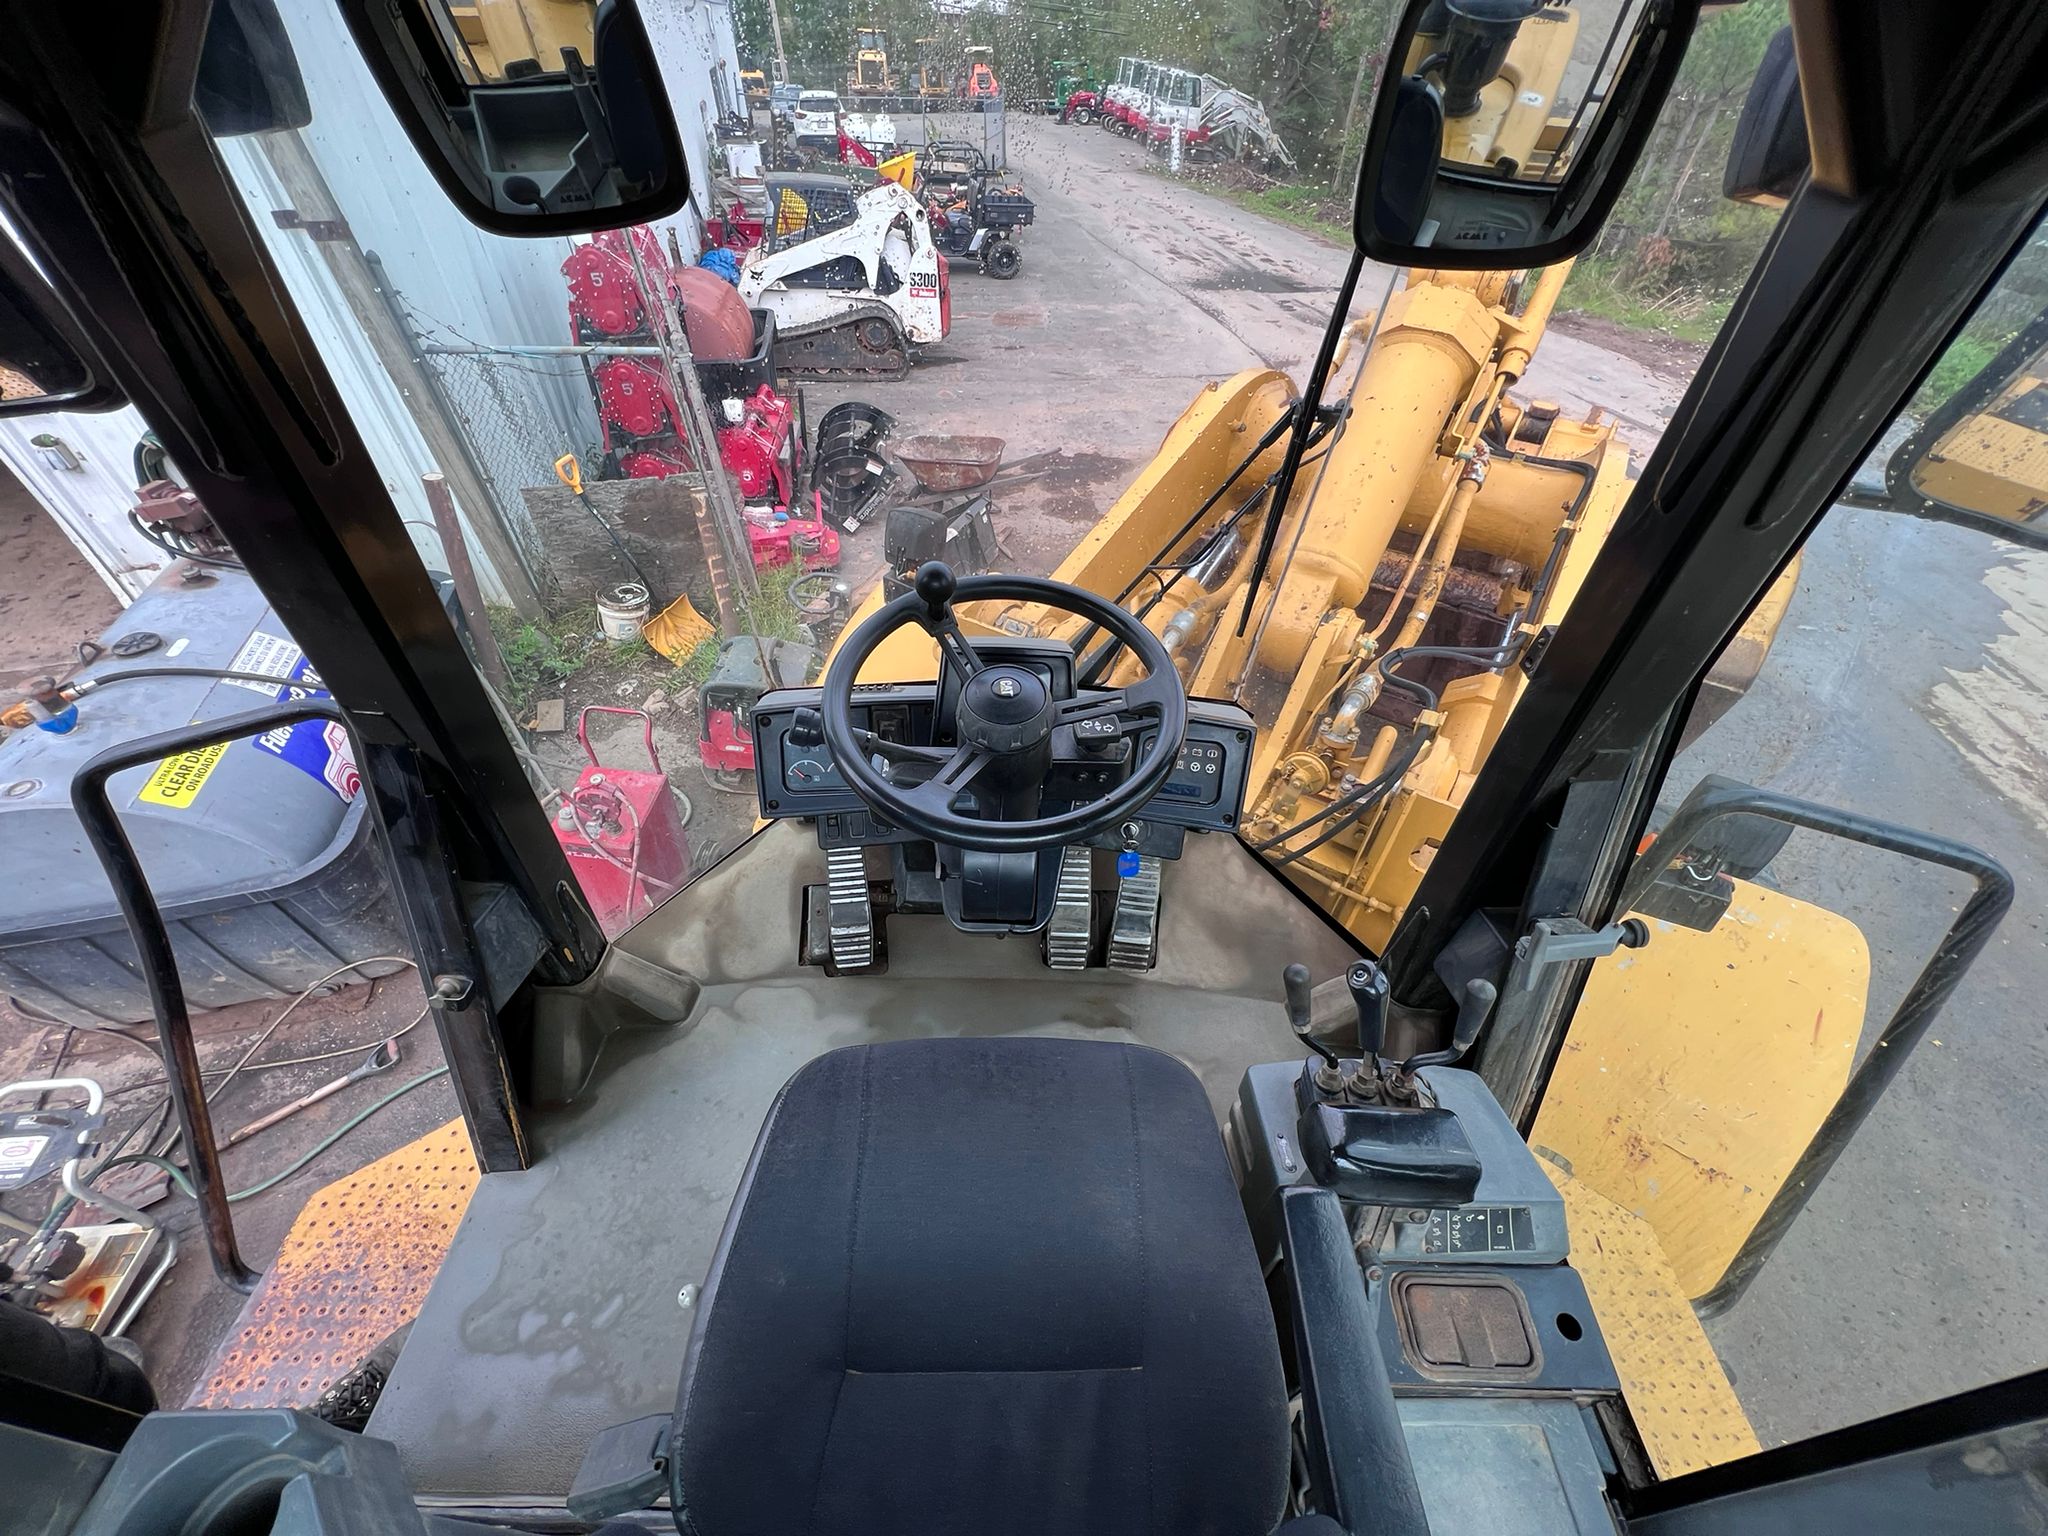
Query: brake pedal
point(1068, 935)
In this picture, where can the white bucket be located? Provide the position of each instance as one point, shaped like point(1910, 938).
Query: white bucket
point(621, 610)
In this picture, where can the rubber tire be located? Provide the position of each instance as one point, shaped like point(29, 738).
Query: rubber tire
point(1083, 116)
point(1002, 260)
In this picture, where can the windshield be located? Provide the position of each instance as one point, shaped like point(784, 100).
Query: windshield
point(653, 474)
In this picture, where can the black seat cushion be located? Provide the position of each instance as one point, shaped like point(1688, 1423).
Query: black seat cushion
point(979, 1286)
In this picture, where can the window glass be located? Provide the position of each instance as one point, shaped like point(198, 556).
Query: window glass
point(644, 504)
point(1895, 674)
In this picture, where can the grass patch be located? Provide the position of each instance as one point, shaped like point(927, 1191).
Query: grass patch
point(695, 672)
point(770, 612)
point(541, 656)
point(1285, 202)
point(1966, 357)
point(1605, 288)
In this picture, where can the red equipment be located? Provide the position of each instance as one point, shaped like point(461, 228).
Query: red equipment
point(759, 448)
point(737, 230)
point(793, 538)
point(604, 301)
point(633, 397)
point(621, 832)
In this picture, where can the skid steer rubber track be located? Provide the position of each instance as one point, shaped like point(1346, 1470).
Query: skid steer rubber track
point(866, 343)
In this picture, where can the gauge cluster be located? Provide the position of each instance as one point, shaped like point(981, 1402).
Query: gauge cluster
point(797, 778)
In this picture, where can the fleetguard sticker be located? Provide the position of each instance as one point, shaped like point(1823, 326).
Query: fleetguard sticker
point(178, 780)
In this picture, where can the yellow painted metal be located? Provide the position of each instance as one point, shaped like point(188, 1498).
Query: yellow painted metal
point(1698, 1067)
point(1684, 1408)
point(1995, 461)
point(499, 33)
point(354, 1267)
point(1512, 126)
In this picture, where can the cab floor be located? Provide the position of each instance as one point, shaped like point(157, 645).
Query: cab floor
point(567, 1296)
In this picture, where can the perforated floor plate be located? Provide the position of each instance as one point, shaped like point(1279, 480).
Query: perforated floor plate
point(1678, 1395)
point(355, 1266)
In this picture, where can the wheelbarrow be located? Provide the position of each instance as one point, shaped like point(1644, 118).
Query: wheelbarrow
point(944, 463)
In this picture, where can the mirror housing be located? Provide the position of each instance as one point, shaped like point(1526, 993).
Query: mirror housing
point(1769, 155)
point(551, 146)
point(46, 364)
point(1510, 183)
point(1691, 885)
point(248, 80)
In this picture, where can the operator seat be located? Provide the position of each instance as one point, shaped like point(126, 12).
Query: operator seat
point(971, 1287)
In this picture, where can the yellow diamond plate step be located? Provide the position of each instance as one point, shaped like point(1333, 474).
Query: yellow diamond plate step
point(1683, 1406)
point(354, 1267)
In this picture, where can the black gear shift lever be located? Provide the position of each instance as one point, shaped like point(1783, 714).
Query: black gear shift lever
point(935, 585)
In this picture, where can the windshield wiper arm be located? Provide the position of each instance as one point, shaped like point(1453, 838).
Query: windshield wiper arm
point(1297, 441)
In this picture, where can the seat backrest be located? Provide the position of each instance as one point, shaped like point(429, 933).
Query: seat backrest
point(984, 1285)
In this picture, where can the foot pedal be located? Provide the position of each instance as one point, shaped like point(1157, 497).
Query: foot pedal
point(1067, 936)
point(1134, 930)
point(849, 915)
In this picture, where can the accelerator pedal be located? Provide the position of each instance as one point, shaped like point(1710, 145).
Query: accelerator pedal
point(1134, 930)
point(849, 915)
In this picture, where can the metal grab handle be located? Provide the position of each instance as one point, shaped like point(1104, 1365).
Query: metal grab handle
point(1917, 1010)
point(159, 961)
point(583, 730)
point(93, 1096)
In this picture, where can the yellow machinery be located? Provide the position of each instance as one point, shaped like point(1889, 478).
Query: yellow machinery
point(1443, 513)
point(498, 33)
point(1995, 461)
point(754, 83)
point(930, 78)
point(870, 76)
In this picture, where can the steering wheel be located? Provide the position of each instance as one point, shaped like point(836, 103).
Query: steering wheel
point(1005, 719)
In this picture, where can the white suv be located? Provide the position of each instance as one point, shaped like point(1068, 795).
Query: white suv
point(817, 117)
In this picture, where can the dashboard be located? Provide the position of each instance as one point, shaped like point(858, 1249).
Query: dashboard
point(797, 778)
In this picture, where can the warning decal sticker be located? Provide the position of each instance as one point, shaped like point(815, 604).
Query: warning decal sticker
point(178, 780)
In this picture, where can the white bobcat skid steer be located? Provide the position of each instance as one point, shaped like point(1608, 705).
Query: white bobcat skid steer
point(852, 277)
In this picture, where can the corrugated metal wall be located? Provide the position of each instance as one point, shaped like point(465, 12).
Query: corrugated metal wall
point(458, 283)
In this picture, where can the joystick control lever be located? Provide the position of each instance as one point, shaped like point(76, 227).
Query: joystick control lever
point(1473, 1007)
point(1329, 1074)
point(1370, 995)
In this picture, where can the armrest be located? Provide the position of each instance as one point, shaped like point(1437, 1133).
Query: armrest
point(1357, 1452)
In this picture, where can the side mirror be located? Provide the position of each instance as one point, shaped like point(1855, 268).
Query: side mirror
point(1980, 458)
point(561, 129)
point(1501, 136)
point(46, 364)
point(1691, 882)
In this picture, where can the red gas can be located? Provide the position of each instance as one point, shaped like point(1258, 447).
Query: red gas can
point(621, 831)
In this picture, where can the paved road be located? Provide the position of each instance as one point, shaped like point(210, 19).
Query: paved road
point(1910, 681)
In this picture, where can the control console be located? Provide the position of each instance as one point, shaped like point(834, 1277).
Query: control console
point(1483, 1330)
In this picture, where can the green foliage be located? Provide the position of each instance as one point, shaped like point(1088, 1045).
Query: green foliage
point(695, 672)
point(1614, 291)
point(541, 657)
point(1288, 202)
point(770, 613)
